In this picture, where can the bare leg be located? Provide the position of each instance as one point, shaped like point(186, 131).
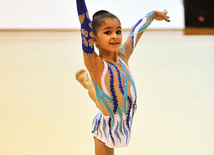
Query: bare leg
point(101, 148)
point(85, 81)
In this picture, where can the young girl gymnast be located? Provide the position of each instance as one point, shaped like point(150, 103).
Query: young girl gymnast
point(111, 79)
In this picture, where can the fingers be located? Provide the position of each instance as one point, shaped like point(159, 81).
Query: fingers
point(166, 17)
point(162, 15)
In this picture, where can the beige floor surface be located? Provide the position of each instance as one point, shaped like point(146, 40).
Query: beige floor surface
point(44, 111)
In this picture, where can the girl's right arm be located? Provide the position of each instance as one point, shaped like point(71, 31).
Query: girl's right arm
point(90, 57)
point(139, 28)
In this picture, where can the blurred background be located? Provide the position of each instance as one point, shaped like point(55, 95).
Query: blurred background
point(61, 14)
point(45, 111)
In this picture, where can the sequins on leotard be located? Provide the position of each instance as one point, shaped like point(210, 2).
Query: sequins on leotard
point(113, 129)
point(120, 119)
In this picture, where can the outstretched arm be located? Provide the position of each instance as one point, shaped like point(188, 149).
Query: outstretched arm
point(90, 57)
point(138, 29)
point(86, 27)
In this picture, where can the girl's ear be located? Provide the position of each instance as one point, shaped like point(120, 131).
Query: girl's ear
point(95, 40)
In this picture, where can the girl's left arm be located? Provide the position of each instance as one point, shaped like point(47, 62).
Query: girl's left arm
point(138, 29)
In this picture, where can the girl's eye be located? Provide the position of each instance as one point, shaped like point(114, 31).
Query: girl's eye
point(107, 32)
point(118, 32)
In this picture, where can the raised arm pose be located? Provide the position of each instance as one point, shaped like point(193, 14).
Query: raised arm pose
point(113, 82)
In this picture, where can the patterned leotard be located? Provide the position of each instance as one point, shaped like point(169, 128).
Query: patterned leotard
point(115, 88)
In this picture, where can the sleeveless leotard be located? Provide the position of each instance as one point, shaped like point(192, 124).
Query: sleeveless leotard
point(115, 89)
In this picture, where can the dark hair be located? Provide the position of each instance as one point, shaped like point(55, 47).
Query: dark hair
point(99, 19)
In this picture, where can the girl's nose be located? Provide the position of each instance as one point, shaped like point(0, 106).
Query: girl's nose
point(114, 35)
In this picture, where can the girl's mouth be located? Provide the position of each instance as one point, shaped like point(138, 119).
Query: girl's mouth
point(114, 43)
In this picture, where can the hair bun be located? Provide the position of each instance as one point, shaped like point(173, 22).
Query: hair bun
point(100, 12)
point(99, 19)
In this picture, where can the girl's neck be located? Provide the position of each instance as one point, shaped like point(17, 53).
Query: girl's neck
point(112, 57)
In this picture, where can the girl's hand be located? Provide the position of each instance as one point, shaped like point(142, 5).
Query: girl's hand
point(162, 15)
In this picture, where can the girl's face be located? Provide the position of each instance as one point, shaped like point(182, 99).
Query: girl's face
point(109, 36)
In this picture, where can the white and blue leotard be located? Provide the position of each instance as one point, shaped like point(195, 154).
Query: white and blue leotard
point(115, 88)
